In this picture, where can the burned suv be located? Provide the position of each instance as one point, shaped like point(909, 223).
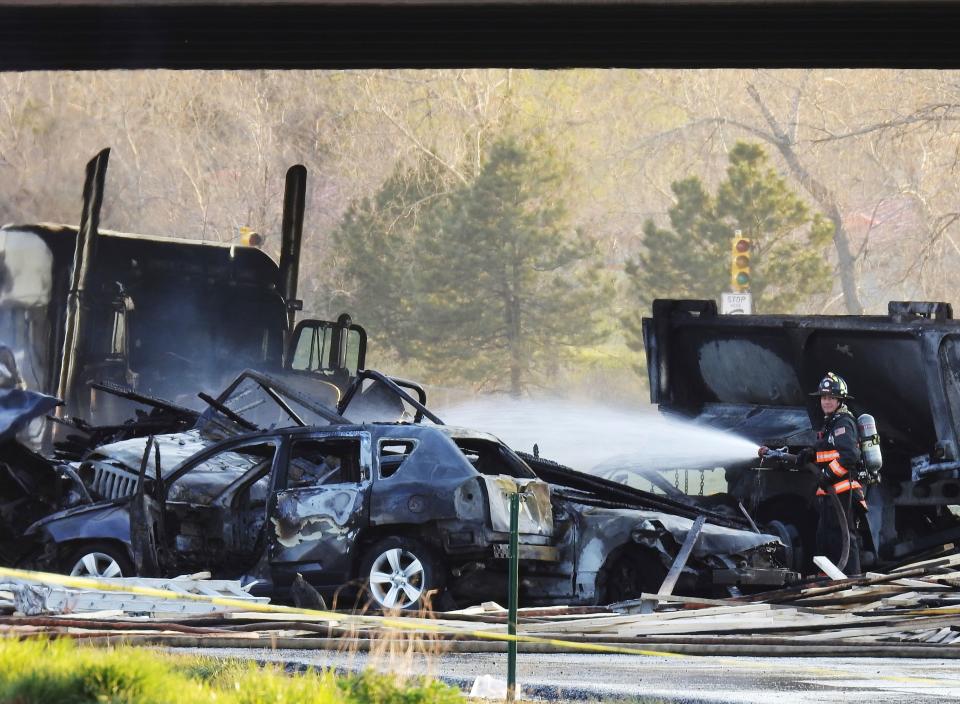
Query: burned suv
point(266, 486)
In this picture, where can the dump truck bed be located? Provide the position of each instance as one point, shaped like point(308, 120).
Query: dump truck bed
point(752, 374)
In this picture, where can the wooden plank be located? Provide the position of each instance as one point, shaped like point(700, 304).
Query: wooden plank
point(829, 569)
point(792, 593)
point(842, 634)
point(950, 561)
point(679, 562)
point(632, 605)
point(606, 623)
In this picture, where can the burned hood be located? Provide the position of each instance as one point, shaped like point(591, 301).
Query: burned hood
point(713, 540)
point(174, 449)
point(650, 525)
point(18, 407)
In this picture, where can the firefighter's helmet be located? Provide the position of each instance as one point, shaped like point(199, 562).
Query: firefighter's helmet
point(832, 385)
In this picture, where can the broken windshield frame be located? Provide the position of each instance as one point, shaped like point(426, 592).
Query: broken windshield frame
point(393, 384)
point(265, 404)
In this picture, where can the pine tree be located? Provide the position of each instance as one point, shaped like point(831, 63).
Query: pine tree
point(376, 258)
point(506, 286)
point(691, 258)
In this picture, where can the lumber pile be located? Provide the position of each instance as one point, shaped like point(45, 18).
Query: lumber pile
point(35, 599)
point(914, 604)
point(912, 611)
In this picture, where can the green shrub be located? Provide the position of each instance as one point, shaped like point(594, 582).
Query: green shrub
point(376, 688)
point(61, 672)
point(57, 671)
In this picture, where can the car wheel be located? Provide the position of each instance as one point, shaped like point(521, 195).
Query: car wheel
point(789, 535)
point(629, 575)
point(400, 574)
point(98, 561)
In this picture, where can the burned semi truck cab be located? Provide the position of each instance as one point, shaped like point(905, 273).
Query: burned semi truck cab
point(162, 317)
point(751, 375)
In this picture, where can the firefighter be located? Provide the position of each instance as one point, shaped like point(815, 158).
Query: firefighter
point(836, 455)
point(837, 461)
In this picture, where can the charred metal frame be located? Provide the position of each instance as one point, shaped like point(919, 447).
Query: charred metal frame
point(567, 536)
point(903, 368)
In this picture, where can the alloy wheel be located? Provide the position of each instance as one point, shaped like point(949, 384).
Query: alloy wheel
point(96, 564)
point(397, 579)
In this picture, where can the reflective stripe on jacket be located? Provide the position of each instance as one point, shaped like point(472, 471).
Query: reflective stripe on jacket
point(837, 453)
point(842, 487)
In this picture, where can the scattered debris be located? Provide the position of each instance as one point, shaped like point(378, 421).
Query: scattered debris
point(909, 612)
point(122, 599)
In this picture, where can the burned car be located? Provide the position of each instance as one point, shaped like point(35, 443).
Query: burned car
point(401, 509)
point(30, 486)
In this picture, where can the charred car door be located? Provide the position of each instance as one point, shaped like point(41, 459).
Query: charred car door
point(320, 505)
point(215, 507)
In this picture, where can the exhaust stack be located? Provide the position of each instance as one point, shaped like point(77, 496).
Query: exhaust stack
point(291, 236)
point(83, 261)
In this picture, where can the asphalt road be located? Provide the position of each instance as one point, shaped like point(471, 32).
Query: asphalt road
point(658, 679)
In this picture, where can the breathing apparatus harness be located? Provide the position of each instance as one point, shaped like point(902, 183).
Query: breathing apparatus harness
point(868, 472)
point(783, 455)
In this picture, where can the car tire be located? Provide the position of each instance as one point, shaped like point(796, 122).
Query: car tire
point(789, 534)
point(628, 575)
point(98, 561)
point(402, 574)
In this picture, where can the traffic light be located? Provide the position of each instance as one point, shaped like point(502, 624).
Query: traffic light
point(740, 263)
point(250, 237)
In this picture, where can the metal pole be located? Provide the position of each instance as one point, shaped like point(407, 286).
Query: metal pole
point(513, 586)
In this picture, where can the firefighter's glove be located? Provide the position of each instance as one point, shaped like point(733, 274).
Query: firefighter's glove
point(805, 456)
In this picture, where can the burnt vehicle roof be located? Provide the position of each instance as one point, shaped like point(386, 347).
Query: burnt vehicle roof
point(173, 257)
point(752, 374)
point(188, 444)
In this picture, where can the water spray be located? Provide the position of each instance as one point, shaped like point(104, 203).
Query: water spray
point(587, 436)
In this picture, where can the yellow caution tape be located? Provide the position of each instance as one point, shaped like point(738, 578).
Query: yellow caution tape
point(411, 624)
point(391, 623)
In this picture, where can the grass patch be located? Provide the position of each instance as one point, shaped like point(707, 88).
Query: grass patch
point(44, 671)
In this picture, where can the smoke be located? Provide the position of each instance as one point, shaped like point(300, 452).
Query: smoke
point(587, 436)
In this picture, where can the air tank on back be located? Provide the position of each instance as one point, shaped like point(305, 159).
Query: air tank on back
point(870, 443)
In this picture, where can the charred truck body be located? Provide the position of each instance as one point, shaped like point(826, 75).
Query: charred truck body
point(751, 375)
point(157, 316)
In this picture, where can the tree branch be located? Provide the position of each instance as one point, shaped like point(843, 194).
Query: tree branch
point(775, 128)
point(794, 123)
point(921, 116)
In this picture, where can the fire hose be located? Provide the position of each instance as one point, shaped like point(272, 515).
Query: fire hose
point(834, 501)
